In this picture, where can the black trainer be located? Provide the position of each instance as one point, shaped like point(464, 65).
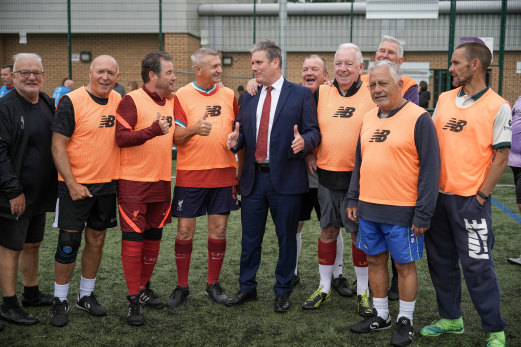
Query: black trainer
point(341, 285)
point(216, 292)
point(18, 315)
point(41, 300)
point(374, 323)
point(393, 293)
point(60, 313)
point(149, 298)
point(177, 297)
point(90, 304)
point(135, 316)
point(295, 279)
point(403, 333)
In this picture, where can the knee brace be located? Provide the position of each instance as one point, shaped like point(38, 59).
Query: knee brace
point(154, 234)
point(68, 246)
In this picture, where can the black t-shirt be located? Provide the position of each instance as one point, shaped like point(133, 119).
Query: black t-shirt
point(64, 124)
point(38, 173)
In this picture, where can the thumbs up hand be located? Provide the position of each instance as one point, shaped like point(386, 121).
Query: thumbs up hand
point(163, 124)
point(203, 127)
point(298, 142)
point(233, 137)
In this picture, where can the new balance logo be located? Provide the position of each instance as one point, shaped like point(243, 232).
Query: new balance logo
point(344, 112)
point(455, 125)
point(107, 121)
point(478, 235)
point(213, 111)
point(380, 135)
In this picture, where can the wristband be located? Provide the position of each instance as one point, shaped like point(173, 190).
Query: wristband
point(482, 195)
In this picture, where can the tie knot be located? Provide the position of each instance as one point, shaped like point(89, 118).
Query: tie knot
point(269, 89)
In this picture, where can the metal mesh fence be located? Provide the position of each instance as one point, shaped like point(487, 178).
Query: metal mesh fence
point(128, 29)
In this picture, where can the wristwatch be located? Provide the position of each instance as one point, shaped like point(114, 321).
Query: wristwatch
point(480, 193)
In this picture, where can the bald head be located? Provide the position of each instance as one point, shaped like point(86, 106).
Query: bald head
point(103, 75)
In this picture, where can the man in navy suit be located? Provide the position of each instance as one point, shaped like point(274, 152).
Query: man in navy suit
point(277, 127)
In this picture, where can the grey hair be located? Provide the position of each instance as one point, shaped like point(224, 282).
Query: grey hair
point(316, 56)
point(393, 69)
point(352, 46)
point(393, 40)
point(272, 50)
point(197, 57)
point(19, 56)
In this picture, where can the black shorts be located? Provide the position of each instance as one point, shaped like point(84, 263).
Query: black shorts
point(98, 213)
point(194, 202)
point(517, 182)
point(15, 232)
point(309, 202)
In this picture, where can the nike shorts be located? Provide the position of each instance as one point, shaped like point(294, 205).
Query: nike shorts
point(98, 213)
point(333, 209)
point(140, 217)
point(375, 238)
point(15, 232)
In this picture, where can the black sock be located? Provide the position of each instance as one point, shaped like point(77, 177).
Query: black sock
point(31, 293)
point(10, 302)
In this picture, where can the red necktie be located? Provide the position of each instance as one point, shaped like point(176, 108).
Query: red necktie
point(262, 136)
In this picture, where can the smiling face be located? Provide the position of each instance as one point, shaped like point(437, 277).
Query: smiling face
point(209, 72)
point(389, 51)
point(30, 86)
point(103, 74)
point(265, 72)
point(313, 74)
point(385, 91)
point(460, 68)
point(347, 70)
point(165, 82)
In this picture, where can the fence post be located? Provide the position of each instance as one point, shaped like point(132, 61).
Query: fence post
point(69, 37)
point(452, 29)
point(502, 44)
point(160, 25)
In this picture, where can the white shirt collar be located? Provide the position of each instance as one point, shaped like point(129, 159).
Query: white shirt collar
point(277, 85)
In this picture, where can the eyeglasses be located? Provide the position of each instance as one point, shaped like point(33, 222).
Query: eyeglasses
point(26, 74)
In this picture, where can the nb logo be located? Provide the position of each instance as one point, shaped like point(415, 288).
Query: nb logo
point(478, 235)
point(345, 112)
point(380, 135)
point(455, 125)
point(168, 119)
point(107, 121)
point(213, 111)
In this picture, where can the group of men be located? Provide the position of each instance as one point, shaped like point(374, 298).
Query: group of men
point(378, 161)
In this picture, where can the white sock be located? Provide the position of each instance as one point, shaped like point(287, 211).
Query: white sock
point(381, 306)
point(406, 309)
point(325, 277)
point(86, 286)
point(299, 247)
point(61, 291)
point(337, 267)
point(362, 279)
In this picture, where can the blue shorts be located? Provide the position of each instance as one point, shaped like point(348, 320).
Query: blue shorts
point(375, 238)
point(194, 202)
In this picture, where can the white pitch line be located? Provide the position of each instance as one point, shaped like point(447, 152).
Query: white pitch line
point(505, 185)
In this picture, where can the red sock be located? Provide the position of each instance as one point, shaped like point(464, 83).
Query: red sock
point(326, 252)
point(131, 259)
point(183, 253)
point(150, 253)
point(359, 257)
point(216, 250)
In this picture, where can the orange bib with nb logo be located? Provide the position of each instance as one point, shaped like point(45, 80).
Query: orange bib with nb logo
point(340, 119)
point(92, 149)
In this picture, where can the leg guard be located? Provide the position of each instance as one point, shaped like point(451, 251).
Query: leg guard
point(68, 246)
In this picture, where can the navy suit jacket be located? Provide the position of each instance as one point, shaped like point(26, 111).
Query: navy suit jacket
point(296, 106)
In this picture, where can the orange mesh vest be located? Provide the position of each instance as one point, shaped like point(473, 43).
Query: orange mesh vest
point(390, 163)
point(207, 152)
point(465, 136)
point(340, 119)
point(407, 82)
point(92, 149)
point(151, 161)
